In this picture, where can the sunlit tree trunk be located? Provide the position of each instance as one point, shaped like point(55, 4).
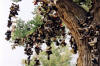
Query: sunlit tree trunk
point(71, 14)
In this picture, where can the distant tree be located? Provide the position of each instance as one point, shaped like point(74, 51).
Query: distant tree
point(61, 57)
point(16, 0)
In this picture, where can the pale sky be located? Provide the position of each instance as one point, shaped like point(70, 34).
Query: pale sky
point(9, 57)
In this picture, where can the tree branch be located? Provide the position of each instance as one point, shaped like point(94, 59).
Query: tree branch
point(95, 11)
point(71, 14)
point(76, 10)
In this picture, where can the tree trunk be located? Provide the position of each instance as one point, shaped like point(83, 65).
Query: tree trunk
point(72, 14)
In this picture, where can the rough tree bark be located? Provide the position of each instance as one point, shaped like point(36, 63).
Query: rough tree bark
point(71, 14)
